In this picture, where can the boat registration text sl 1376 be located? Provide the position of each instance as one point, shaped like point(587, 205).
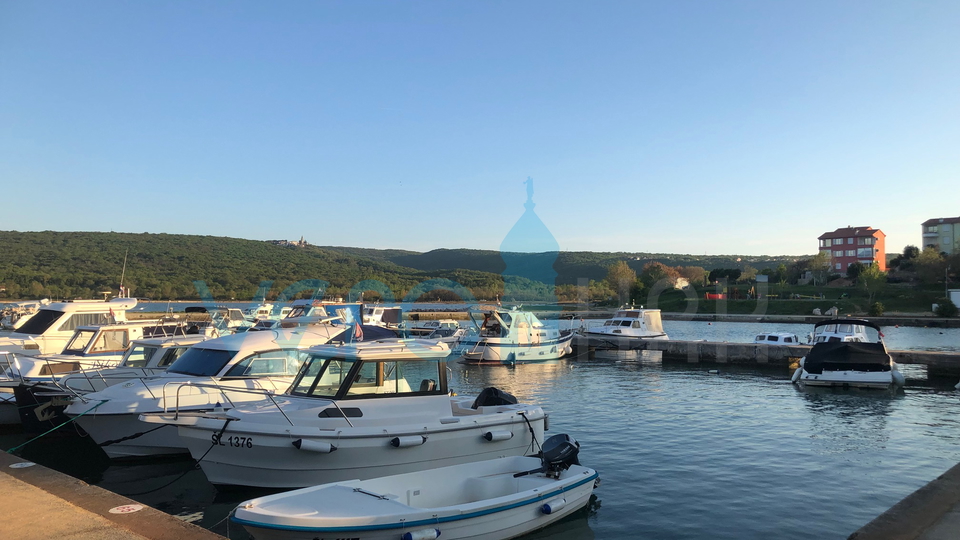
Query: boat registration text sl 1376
point(236, 442)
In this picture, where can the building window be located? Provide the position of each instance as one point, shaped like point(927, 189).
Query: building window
point(931, 228)
point(838, 253)
point(851, 253)
point(849, 240)
point(825, 243)
point(865, 253)
point(838, 266)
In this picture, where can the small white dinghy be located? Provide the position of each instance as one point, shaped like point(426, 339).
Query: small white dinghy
point(495, 499)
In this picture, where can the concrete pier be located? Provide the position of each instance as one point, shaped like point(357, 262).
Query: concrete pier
point(941, 363)
point(930, 513)
point(40, 503)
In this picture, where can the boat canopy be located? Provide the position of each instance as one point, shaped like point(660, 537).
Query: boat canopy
point(389, 368)
point(847, 356)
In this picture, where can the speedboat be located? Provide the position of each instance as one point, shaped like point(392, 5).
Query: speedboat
point(848, 359)
point(630, 322)
point(777, 338)
point(494, 499)
point(514, 337)
point(445, 330)
point(264, 361)
point(357, 411)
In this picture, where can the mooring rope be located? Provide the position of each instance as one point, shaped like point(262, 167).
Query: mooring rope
point(58, 426)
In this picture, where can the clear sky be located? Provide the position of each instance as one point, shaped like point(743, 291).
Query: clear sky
point(672, 126)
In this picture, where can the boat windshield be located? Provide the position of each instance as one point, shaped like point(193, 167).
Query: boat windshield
point(79, 341)
point(201, 362)
point(40, 322)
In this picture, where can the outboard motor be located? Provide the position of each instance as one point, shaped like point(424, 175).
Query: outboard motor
point(557, 454)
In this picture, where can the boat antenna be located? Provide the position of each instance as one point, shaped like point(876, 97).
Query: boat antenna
point(123, 270)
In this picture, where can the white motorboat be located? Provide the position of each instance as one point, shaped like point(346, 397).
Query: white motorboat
point(41, 404)
point(49, 329)
point(266, 361)
point(91, 348)
point(514, 337)
point(848, 360)
point(357, 411)
point(445, 330)
point(630, 322)
point(777, 338)
point(495, 499)
point(379, 315)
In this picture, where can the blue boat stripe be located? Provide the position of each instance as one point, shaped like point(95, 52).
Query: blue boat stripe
point(405, 525)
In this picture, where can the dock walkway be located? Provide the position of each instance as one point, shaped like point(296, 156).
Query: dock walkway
point(930, 513)
point(41, 503)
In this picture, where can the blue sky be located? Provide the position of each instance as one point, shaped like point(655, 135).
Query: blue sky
point(685, 127)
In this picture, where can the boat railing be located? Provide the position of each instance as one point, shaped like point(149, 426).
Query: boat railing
point(224, 390)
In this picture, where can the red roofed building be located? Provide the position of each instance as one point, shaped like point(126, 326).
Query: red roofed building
point(854, 244)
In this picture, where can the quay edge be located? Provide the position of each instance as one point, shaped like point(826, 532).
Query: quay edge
point(929, 513)
point(55, 505)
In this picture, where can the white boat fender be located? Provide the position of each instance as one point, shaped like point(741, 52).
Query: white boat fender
point(409, 440)
point(498, 435)
point(422, 534)
point(314, 446)
point(714, 372)
point(796, 375)
point(898, 377)
point(553, 506)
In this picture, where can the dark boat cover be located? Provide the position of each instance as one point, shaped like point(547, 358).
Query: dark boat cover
point(847, 356)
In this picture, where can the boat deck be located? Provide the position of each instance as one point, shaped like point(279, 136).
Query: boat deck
point(42, 503)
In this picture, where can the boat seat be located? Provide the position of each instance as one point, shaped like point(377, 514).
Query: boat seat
point(428, 385)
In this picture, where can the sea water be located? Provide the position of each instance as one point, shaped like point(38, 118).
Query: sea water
point(683, 452)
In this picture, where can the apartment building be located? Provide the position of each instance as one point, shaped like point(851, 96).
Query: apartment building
point(854, 244)
point(942, 234)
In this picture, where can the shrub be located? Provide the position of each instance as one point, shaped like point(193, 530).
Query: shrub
point(876, 310)
point(946, 308)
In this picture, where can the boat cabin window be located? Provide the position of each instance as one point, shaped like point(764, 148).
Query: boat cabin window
point(79, 341)
point(40, 322)
point(343, 378)
point(85, 319)
point(201, 362)
point(652, 322)
point(269, 364)
point(609, 323)
point(171, 355)
point(111, 341)
point(788, 339)
point(138, 355)
point(773, 338)
point(635, 324)
point(624, 323)
point(845, 329)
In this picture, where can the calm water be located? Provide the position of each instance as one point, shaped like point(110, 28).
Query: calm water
point(682, 453)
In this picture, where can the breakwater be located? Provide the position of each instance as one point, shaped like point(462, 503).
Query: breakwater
point(939, 363)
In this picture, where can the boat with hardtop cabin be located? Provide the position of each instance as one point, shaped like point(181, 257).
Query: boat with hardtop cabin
point(357, 411)
point(630, 322)
point(513, 336)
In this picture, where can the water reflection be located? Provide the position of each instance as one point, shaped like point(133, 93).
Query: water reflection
point(849, 421)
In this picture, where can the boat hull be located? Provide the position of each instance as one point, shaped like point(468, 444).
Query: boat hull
point(499, 516)
point(251, 457)
point(106, 428)
point(489, 351)
point(849, 379)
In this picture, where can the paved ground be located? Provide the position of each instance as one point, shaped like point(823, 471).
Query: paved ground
point(930, 513)
point(40, 503)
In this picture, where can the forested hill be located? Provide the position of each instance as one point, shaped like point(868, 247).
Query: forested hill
point(570, 265)
point(164, 266)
